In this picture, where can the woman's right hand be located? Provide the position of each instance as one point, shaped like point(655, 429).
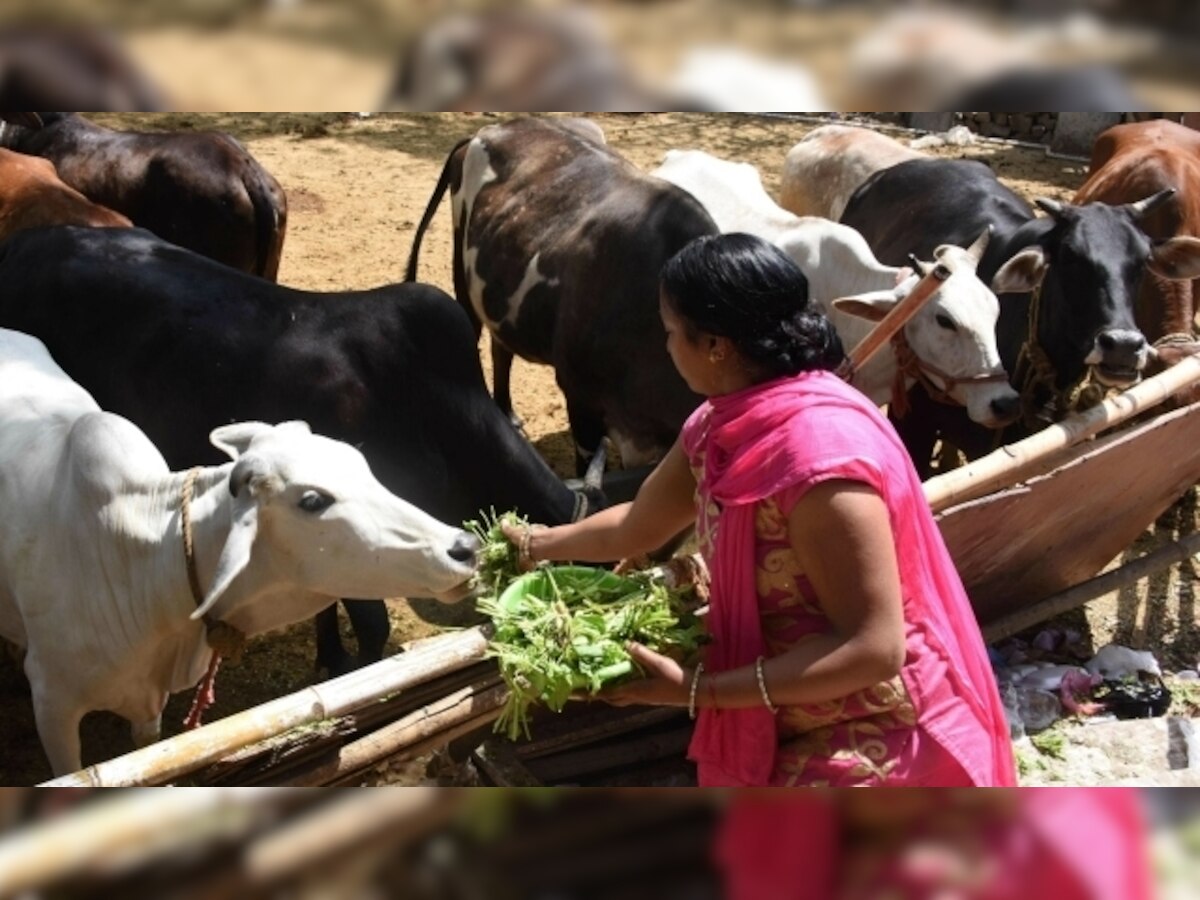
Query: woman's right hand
point(520, 537)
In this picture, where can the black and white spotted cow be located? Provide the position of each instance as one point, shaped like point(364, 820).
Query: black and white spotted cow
point(558, 243)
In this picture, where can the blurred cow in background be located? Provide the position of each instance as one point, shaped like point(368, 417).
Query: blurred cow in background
point(519, 61)
point(55, 67)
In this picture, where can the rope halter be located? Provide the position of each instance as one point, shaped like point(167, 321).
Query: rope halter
point(909, 365)
point(223, 638)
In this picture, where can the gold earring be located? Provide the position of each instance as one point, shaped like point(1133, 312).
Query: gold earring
point(715, 356)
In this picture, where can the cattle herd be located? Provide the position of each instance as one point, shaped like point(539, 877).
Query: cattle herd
point(186, 444)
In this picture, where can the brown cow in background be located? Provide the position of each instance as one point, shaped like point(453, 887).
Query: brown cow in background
point(200, 190)
point(32, 195)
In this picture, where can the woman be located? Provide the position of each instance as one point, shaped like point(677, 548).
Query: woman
point(844, 649)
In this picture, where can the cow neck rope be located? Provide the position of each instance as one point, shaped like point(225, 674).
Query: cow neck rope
point(1035, 370)
point(909, 365)
point(223, 638)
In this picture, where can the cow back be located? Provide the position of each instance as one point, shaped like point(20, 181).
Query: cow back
point(180, 344)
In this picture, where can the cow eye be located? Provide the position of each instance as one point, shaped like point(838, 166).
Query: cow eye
point(315, 501)
point(946, 322)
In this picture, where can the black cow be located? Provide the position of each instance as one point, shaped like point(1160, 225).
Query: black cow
point(558, 244)
point(179, 344)
point(1075, 272)
point(201, 190)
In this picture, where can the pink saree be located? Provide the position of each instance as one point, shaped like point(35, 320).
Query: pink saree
point(793, 433)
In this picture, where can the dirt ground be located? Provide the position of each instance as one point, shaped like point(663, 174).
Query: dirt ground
point(356, 190)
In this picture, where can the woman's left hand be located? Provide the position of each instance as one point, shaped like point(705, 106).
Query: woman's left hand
point(666, 683)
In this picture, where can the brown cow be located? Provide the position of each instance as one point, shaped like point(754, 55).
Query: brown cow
point(199, 190)
point(1133, 161)
point(32, 195)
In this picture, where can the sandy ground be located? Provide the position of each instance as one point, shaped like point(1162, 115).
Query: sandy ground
point(357, 189)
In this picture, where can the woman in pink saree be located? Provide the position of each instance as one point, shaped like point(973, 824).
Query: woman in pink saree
point(844, 651)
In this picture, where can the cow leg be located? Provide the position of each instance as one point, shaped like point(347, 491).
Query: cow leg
point(58, 728)
point(369, 619)
point(331, 655)
point(146, 733)
point(502, 363)
point(917, 432)
point(587, 429)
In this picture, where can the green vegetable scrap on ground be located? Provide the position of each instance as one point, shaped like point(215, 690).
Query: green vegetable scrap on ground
point(562, 630)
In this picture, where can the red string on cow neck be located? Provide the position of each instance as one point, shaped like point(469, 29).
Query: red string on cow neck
point(206, 694)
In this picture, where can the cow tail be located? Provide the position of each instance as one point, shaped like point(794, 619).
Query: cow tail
point(410, 273)
point(270, 221)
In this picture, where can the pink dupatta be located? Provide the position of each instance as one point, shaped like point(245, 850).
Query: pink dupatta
point(800, 431)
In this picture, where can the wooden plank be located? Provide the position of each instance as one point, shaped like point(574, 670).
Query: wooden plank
point(576, 764)
point(409, 736)
point(1162, 558)
point(609, 722)
point(1019, 546)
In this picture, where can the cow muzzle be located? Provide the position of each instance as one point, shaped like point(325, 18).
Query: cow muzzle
point(1118, 357)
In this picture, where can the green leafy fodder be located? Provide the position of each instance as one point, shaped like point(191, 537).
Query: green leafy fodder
point(562, 630)
point(498, 565)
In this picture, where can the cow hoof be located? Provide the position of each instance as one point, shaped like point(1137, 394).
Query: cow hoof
point(343, 665)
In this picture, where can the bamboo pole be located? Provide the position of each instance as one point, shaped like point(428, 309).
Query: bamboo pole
point(896, 318)
point(1163, 557)
point(149, 823)
point(459, 712)
point(320, 838)
point(166, 760)
point(1009, 464)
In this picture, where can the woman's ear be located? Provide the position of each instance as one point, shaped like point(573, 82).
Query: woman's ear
point(718, 348)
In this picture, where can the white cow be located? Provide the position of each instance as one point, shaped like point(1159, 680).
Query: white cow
point(825, 168)
point(953, 336)
point(93, 582)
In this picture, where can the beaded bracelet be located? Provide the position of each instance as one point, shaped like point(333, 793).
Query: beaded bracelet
point(762, 686)
point(692, 693)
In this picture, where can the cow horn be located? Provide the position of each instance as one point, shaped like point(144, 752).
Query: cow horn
point(979, 247)
point(1151, 203)
point(921, 268)
point(595, 469)
point(1051, 207)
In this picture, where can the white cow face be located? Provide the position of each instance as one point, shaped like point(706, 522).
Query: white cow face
point(954, 334)
point(308, 510)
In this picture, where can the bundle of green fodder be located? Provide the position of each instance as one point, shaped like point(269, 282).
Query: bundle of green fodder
point(562, 630)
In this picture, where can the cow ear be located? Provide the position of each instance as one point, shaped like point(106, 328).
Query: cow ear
point(872, 306)
point(1021, 274)
point(235, 555)
point(252, 473)
point(1177, 259)
point(235, 439)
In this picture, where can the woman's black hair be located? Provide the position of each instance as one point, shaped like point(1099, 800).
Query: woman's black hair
point(748, 290)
